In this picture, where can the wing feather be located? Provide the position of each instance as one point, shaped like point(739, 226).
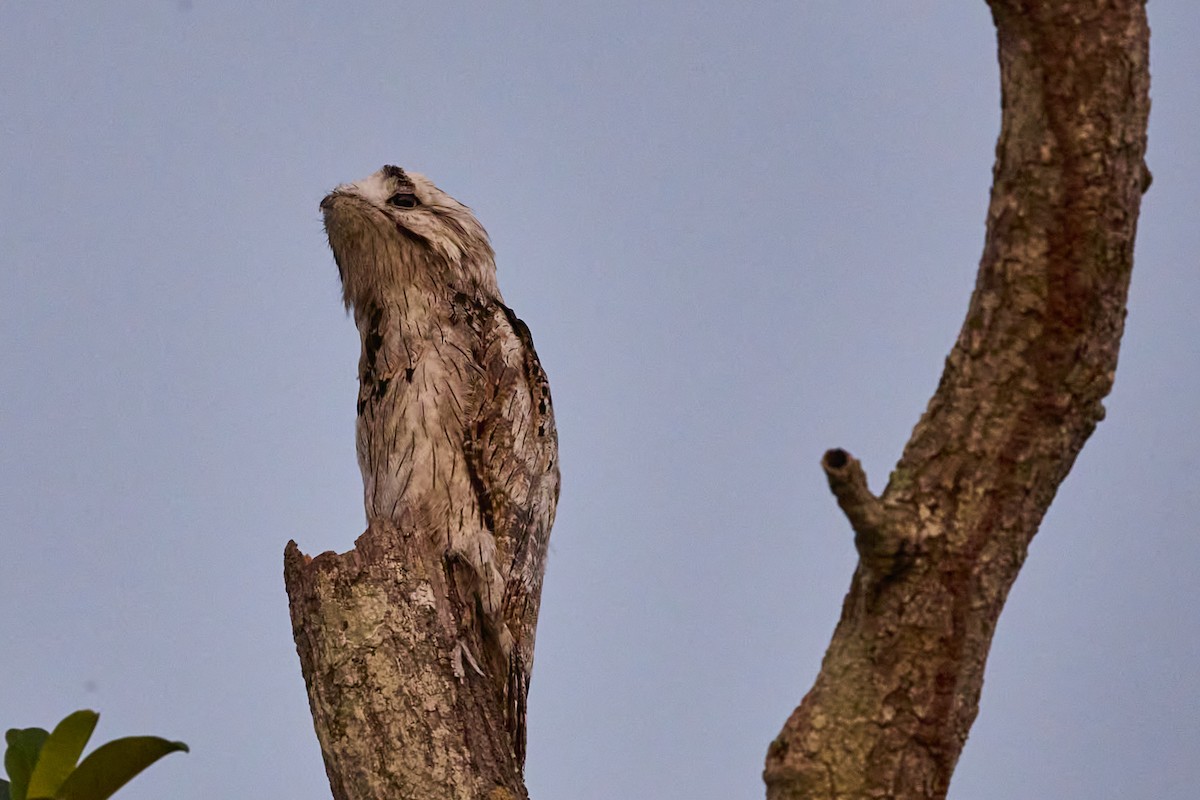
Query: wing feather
point(516, 460)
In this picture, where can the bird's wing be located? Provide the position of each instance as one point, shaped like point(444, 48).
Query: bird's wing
point(517, 464)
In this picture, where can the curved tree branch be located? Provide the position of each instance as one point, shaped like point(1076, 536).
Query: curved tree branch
point(1020, 395)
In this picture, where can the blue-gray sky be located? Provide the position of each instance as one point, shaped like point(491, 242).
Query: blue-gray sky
point(741, 234)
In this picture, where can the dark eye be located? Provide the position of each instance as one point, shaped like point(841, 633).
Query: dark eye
point(404, 200)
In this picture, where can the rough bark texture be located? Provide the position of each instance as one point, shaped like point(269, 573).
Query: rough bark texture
point(398, 716)
point(1021, 392)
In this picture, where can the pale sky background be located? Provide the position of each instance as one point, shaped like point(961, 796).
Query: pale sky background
point(741, 234)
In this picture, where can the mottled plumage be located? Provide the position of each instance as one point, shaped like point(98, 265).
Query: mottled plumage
point(455, 430)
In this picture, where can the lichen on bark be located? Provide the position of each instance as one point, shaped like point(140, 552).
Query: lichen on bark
point(394, 713)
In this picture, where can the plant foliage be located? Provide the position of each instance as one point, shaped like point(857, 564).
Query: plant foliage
point(45, 765)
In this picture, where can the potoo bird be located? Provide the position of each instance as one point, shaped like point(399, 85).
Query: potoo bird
point(455, 431)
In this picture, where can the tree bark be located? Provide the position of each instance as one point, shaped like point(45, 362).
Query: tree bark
point(401, 708)
point(1021, 392)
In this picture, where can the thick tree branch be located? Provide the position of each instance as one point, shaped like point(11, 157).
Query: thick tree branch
point(1021, 392)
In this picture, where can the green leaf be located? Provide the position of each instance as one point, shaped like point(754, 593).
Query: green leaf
point(60, 753)
point(24, 744)
point(110, 766)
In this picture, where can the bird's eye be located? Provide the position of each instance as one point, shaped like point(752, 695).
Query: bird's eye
point(404, 200)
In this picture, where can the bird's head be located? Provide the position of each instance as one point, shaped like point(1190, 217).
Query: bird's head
point(395, 228)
